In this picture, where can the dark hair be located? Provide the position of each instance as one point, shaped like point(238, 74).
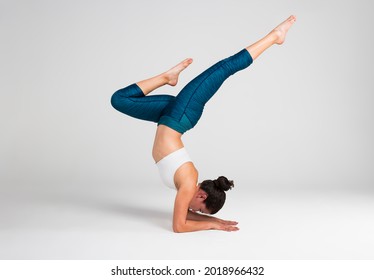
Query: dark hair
point(215, 190)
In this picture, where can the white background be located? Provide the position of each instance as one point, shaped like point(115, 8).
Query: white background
point(294, 131)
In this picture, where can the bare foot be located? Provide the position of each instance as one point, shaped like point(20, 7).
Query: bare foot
point(173, 74)
point(281, 30)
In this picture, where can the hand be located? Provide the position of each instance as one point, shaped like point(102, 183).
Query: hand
point(225, 225)
point(230, 223)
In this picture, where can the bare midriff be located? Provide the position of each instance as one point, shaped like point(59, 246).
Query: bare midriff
point(166, 141)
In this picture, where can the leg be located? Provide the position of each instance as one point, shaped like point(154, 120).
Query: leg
point(132, 100)
point(276, 36)
point(183, 113)
point(169, 77)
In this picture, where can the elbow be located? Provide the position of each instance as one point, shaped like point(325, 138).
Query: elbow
point(177, 228)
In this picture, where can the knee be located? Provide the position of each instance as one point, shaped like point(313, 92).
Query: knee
point(120, 100)
point(115, 100)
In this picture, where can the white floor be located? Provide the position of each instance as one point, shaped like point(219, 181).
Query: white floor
point(113, 224)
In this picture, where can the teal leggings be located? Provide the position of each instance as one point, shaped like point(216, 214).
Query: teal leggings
point(182, 112)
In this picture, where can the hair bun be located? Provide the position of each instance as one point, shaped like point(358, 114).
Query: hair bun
point(222, 183)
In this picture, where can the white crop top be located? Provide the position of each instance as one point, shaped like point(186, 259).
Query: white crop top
point(169, 165)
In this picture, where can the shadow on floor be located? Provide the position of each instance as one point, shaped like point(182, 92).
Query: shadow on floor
point(157, 217)
point(92, 203)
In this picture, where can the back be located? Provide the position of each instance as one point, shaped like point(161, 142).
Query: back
point(168, 166)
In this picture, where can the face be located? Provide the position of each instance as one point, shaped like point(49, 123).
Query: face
point(197, 203)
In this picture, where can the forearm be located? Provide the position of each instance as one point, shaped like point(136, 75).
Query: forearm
point(191, 225)
point(186, 221)
point(199, 217)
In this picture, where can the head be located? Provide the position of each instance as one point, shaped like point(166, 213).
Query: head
point(211, 195)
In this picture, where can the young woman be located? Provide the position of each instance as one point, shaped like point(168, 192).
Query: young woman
point(176, 115)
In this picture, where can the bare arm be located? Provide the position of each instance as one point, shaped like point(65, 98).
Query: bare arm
point(183, 219)
point(180, 221)
point(187, 221)
point(193, 216)
point(202, 217)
